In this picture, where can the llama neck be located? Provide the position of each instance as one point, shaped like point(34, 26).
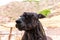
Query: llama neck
point(34, 34)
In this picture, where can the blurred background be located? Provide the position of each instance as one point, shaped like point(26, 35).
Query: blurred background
point(10, 10)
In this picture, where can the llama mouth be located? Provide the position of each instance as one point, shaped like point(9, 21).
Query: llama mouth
point(19, 27)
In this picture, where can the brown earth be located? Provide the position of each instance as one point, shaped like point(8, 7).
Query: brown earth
point(10, 12)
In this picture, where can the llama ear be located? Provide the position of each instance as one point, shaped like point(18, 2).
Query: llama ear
point(25, 13)
point(41, 16)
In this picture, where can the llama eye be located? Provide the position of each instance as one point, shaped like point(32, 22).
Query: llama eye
point(23, 18)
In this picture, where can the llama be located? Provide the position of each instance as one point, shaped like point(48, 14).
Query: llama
point(29, 22)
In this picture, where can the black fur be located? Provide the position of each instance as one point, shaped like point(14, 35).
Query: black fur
point(32, 26)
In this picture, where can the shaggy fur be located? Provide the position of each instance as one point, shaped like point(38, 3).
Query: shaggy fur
point(32, 26)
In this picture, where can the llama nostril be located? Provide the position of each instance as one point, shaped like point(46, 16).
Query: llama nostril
point(17, 21)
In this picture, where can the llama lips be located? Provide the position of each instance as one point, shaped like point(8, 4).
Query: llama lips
point(19, 27)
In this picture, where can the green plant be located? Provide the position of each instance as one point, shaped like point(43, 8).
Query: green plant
point(45, 12)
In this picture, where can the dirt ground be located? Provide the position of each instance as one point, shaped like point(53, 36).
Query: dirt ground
point(9, 13)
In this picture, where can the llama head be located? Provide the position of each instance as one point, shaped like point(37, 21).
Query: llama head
point(28, 21)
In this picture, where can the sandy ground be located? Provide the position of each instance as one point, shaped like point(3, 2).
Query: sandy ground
point(51, 26)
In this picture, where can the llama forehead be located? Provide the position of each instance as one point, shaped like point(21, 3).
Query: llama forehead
point(30, 15)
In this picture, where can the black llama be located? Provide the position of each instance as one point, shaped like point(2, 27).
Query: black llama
point(29, 22)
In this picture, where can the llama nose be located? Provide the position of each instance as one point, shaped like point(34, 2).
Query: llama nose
point(17, 21)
